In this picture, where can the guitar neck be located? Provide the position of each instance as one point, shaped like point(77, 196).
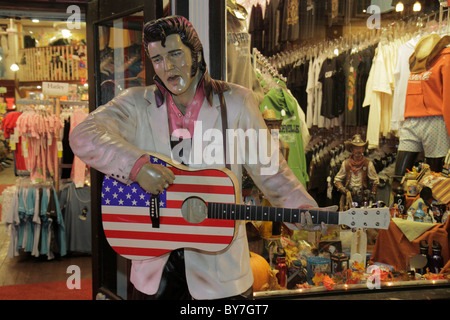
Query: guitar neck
point(230, 211)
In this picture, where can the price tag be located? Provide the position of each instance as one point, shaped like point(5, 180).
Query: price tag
point(25, 148)
point(60, 148)
point(14, 138)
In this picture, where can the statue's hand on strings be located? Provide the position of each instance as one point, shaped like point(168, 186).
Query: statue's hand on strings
point(154, 178)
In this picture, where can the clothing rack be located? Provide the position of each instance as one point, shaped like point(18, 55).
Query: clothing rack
point(46, 136)
point(261, 63)
point(26, 182)
point(34, 102)
point(34, 220)
point(74, 103)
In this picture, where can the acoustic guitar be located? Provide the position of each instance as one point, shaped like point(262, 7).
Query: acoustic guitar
point(198, 211)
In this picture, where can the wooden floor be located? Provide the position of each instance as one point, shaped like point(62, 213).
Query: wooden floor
point(25, 269)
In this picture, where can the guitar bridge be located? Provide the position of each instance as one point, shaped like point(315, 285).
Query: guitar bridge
point(154, 210)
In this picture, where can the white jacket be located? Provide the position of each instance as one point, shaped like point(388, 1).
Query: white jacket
point(115, 135)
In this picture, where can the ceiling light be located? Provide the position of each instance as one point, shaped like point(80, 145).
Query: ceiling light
point(35, 20)
point(399, 7)
point(417, 6)
point(14, 67)
point(66, 33)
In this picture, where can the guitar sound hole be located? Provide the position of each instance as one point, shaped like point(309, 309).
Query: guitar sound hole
point(194, 210)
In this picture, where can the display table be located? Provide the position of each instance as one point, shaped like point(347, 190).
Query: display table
point(393, 247)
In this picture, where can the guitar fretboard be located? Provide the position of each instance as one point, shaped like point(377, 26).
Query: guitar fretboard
point(230, 211)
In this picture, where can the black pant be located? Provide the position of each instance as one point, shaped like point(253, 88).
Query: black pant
point(173, 285)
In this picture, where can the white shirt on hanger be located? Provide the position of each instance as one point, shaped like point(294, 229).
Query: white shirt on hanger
point(378, 96)
point(401, 75)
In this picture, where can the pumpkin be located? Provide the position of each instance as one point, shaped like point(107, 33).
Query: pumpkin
point(260, 269)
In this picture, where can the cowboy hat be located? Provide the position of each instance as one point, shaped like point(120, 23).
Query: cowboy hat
point(356, 142)
point(426, 50)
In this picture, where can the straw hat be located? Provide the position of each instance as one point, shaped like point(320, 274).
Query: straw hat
point(426, 50)
point(356, 142)
point(269, 114)
point(271, 119)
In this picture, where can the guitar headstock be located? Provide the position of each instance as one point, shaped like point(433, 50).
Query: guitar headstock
point(375, 218)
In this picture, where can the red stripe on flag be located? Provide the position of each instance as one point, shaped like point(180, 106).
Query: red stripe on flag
point(199, 188)
point(171, 237)
point(144, 252)
point(174, 204)
point(179, 221)
point(199, 173)
point(126, 218)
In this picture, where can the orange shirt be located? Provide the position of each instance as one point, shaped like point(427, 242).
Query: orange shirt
point(428, 93)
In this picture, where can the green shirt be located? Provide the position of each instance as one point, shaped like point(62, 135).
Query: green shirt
point(290, 131)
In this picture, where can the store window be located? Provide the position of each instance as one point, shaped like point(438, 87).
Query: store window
point(331, 92)
point(121, 56)
point(323, 79)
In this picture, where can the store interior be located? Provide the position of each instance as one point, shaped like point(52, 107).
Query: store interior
point(324, 73)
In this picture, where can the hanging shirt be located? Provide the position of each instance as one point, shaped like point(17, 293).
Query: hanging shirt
point(401, 75)
point(379, 97)
point(290, 131)
point(351, 68)
point(428, 92)
point(76, 209)
point(297, 82)
point(327, 77)
point(239, 57)
point(290, 26)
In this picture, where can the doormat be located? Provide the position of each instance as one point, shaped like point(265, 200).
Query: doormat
point(47, 291)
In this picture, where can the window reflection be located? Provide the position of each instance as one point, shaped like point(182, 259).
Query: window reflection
point(121, 56)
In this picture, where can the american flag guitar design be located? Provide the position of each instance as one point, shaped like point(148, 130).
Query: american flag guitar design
point(139, 226)
point(128, 225)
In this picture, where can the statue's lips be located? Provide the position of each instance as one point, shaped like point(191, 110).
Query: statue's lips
point(173, 80)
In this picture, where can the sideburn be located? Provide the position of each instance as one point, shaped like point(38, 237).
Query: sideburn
point(195, 63)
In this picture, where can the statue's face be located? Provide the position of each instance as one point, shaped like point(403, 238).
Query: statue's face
point(173, 64)
point(357, 153)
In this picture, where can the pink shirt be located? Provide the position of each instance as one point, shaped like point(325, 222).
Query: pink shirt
point(187, 121)
point(177, 120)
